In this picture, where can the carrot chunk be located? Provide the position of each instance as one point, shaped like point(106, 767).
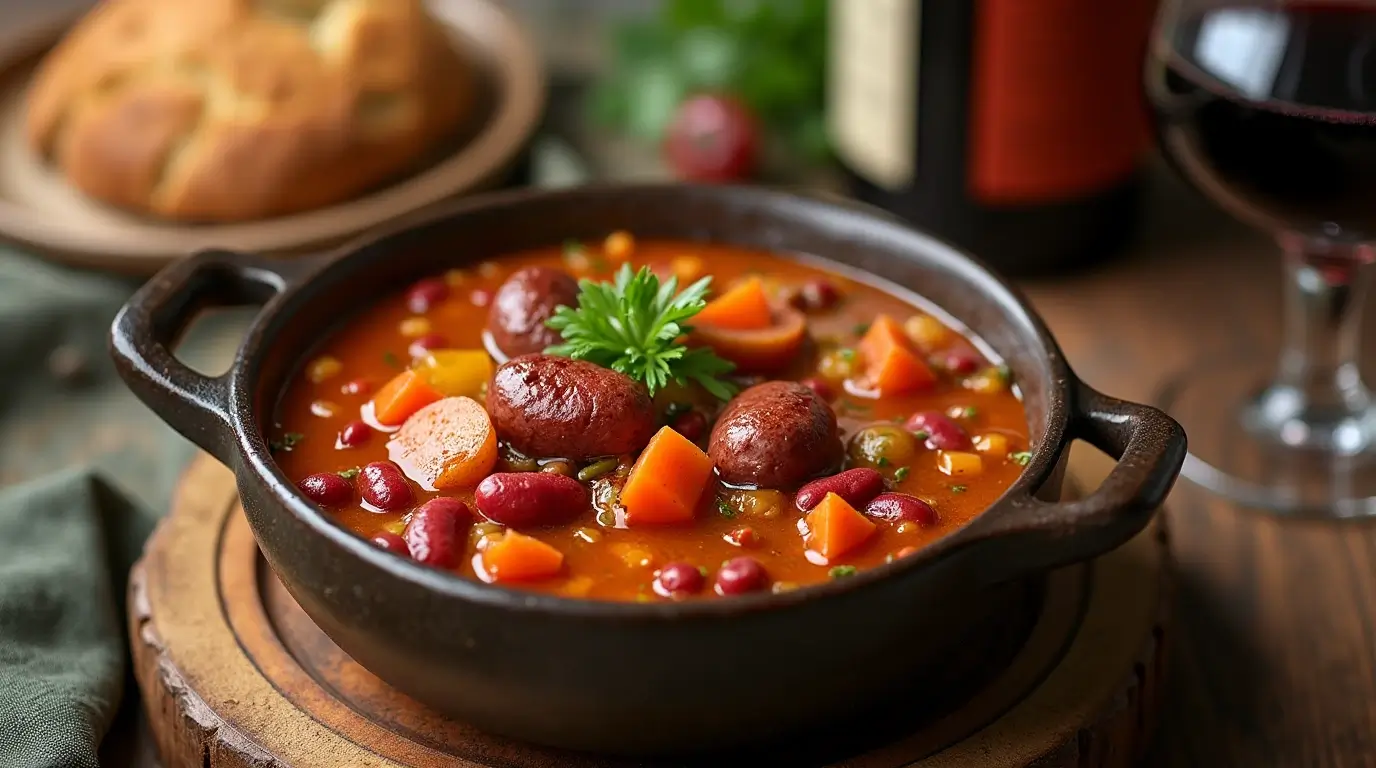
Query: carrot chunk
point(667, 480)
point(744, 307)
point(518, 557)
point(835, 527)
point(450, 443)
point(891, 365)
point(405, 394)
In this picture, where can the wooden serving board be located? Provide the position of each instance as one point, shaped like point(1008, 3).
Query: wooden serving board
point(235, 675)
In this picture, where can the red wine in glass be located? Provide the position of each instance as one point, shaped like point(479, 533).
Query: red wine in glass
point(1269, 108)
point(1271, 111)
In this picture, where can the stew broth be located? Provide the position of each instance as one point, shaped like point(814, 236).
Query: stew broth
point(604, 556)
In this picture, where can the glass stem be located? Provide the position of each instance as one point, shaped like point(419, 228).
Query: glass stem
point(1325, 288)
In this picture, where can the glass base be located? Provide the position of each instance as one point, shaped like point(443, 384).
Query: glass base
point(1264, 446)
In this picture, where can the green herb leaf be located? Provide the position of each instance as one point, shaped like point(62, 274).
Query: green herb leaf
point(882, 461)
point(846, 353)
point(349, 474)
point(1004, 373)
point(842, 571)
point(1021, 457)
point(920, 435)
point(633, 325)
point(287, 442)
point(969, 412)
point(861, 329)
point(391, 360)
point(957, 489)
point(900, 474)
point(725, 509)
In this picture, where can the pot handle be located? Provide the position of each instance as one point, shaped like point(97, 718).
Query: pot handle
point(1150, 448)
point(156, 316)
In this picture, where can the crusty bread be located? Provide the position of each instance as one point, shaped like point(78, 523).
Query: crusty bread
point(230, 110)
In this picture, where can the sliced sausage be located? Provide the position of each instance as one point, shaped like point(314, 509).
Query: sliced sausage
point(525, 301)
point(779, 434)
point(547, 406)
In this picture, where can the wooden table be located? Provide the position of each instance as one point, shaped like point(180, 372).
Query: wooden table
point(1274, 639)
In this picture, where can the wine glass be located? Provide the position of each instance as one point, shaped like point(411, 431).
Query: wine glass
point(1269, 108)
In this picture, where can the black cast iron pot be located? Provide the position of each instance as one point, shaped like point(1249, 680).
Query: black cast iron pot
point(637, 678)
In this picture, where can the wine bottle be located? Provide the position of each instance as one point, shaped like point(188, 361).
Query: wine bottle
point(1015, 129)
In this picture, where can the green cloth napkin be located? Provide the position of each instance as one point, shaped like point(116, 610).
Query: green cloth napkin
point(82, 465)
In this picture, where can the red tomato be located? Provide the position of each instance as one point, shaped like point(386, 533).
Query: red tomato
point(712, 138)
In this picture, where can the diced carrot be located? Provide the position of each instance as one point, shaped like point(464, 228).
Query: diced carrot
point(405, 394)
point(448, 444)
point(835, 527)
point(667, 480)
point(761, 350)
point(891, 365)
point(744, 307)
point(518, 557)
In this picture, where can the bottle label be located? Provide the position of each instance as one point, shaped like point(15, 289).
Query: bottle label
point(1056, 106)
point(872, 71)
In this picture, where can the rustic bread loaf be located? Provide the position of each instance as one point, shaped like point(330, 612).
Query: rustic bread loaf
point(230, 110)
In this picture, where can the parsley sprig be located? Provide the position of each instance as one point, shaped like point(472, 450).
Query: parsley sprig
point(634, 324)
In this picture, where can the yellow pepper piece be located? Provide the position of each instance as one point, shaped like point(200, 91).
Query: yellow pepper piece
point(959, 463)
point(455, 372)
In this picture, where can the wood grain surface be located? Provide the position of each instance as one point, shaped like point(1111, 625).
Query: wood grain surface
point(1274, 637)
point(235, 675)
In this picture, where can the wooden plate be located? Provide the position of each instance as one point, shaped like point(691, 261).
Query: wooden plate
point(234, 674)
point(39, 209)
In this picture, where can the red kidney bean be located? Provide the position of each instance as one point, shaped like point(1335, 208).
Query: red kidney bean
point(817, 295)
point(357, 387)
point(354, 434)
point(392, 543)
point(740, 575)
point(943, 432)
point(960, 360)
point(900, 507)
point(327, 489)
point(679, 579)
point(857, 486)
point(524, 499)
point(434, 534)
point(744, 537)
point(426, 294)
point(691, 424)
point(382, 484)
point(821, 387)
point(422, 345)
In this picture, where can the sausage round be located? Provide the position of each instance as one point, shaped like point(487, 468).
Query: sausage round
point(525, 301)
point(778, 434)
point(547, 406)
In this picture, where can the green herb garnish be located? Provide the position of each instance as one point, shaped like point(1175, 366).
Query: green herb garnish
point(900, 474)
point(349, 474)
point(969, 412)
point(920, 435)
point(634, 325)
point(882, 461)
point(846, 353)
point(957, 489)
point(1004, 373)
point(725, 509)
point(287, 442)
point(391, 360)
point(702, 569)
point(861, 329)
point(842, 571)
point(1021, 457)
